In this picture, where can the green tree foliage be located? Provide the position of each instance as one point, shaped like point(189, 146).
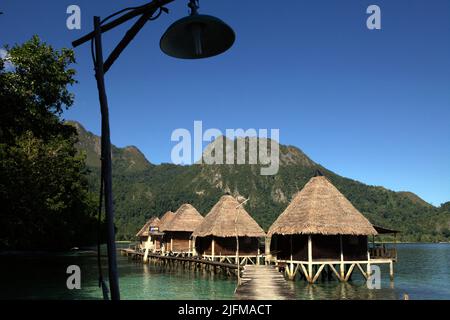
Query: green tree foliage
point(44, 197)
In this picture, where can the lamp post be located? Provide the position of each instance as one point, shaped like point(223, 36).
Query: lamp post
point(194, 37)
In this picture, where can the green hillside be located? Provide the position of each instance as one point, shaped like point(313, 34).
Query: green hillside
point(142, 190)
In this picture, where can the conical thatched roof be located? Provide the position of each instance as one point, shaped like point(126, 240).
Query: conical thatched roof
point(220, 221)
point(187, 218)
point(152, 222)
point(319, 208)
point(165, 220)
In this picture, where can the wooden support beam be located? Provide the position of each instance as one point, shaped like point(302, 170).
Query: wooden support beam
point(305, 272)
point(318, 273)
point(391, 270)
point(194, 251)
point(293, 269)
point(361, 269)
point(334, 271)
point(310, 256)
point(268, 256)
point(342, 266)
point(349, 273)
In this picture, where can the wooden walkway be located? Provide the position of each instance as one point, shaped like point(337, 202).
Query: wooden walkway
point(190, 260)
point(264, 283)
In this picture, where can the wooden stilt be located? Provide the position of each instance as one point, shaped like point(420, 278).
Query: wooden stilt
point(342, 266)
point(310, 258)
point(391, 270)
point(267, 257)
point(194, 251)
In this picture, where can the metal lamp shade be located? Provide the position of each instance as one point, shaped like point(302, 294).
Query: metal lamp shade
point(197, 36)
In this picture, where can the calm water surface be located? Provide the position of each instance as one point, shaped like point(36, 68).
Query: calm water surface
point(423, 272)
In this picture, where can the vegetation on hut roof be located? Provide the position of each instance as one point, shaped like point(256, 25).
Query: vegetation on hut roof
point(220, 221)
point(186, 219)
point(152, 222)
point(165, 220)
point(319, 208)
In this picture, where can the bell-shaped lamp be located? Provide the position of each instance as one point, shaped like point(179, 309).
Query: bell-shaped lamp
point(197, 36)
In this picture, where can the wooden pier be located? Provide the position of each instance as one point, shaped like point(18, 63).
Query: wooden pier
point(188, 262)
point(264, 282)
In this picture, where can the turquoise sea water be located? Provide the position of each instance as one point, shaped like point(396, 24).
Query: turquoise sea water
point(423, 272)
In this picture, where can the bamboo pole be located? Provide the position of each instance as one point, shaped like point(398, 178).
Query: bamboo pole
point(147, 248)
point(391, 270)
point(310, 258)
point(368, 271)
point(334, 270)
point(267, 242)
point(291, 265)
point(318, 273)
point(305, 272)
point(194, 251)
point(350, 270)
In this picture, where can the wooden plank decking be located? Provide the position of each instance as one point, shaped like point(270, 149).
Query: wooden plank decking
point(264, 283)
point(134, 253)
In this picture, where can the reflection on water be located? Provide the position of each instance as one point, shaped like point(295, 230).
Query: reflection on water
point(422, 273)
point(343, 291)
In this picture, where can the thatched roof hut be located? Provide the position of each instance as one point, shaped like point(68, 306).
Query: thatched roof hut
point(186, 219)
point(152, 222)
point(320, 222)
point(216, 236)
point(178, 231)
point(165, 220)
point(220, 221)
point(319, 208)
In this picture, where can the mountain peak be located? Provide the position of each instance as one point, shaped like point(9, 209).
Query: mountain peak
point(129, 158)
point(288, 155)
point(414, 198)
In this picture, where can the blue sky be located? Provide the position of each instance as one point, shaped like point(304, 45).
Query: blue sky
point(371, 105)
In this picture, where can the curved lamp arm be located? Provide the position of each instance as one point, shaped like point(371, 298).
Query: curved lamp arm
point(145, 12)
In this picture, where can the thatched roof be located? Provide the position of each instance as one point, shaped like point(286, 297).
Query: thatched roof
point(186, 219)
point(152, 222)
point(165, 220)
point(220, 221)
point(319, 208)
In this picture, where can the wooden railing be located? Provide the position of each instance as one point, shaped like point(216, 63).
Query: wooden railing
point(383, 253)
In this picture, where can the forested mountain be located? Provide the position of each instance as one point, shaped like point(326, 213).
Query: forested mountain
point(142, 189)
